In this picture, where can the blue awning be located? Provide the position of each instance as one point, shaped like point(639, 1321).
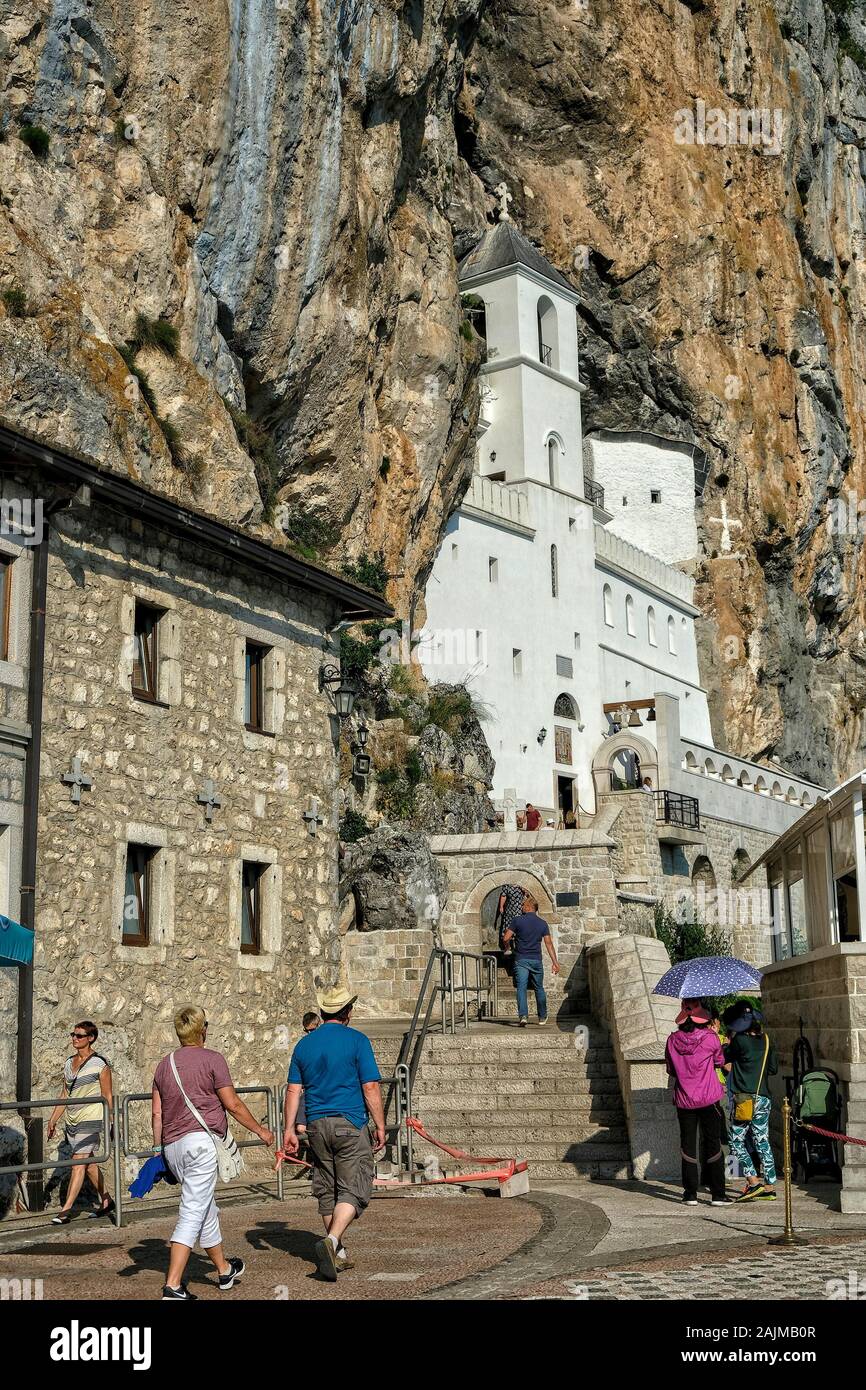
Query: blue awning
point(16, 943)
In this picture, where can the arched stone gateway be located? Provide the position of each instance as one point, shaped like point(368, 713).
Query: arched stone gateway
point(472, 911)
point(624, 742)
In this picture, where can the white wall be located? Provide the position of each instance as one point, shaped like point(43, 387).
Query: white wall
point(519, 612)
point(630, 468)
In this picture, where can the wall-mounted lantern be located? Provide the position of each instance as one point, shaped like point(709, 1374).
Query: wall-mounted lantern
point(342, 691)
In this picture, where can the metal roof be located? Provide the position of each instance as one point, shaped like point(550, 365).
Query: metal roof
point(504, 246)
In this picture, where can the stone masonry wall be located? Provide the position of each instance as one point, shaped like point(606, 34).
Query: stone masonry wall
point(148, 763)
point(385, 970)
point(827, 991)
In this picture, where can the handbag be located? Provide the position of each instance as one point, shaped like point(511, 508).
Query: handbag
point(230, 1160)
point(744, 1104)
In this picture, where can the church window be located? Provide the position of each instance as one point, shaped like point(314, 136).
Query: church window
point(655, 495)
point(672, 636)
point(145, 669)
point(516, 661)
point(607, 598)
point(251, 908)
point(651, 626)
point(5, 605)
point(254, 686)
point(554, 572)
point(137, 895)
point(625, 501)
point(553, 462)
point(454, 549)
point(577, 641)
point(629, 616)
point(548, 335)
point(564, 666)
point(493, 569)
point(564, 707)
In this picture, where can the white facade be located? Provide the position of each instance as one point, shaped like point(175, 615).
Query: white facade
point(538, 594)
point(649, 491)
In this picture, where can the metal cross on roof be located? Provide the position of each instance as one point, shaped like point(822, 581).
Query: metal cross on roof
point(77, 780)
point(209, 799)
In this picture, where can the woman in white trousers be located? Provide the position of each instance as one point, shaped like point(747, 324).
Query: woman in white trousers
point(190, 1086)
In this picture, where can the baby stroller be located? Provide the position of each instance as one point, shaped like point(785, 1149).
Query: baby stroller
point(817, 1100)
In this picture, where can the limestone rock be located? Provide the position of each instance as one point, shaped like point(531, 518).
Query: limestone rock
point(394, 880)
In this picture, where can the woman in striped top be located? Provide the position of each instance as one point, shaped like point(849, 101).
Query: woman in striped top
point(86, 1078)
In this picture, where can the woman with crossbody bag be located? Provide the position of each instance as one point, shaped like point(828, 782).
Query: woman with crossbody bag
point(753, 1060)
point(193, 1094)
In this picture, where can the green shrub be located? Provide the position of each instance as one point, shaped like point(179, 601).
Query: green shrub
point(16, 302)
point(36, 139)
point(402, 681)
point(369, 570)
point(156, 333)
point(686, 940)
point(466, 330)
point(414, 768)
point(309, 532)
point(358, 655)
point(354, 827)
point(450, 707)
point(395, 794)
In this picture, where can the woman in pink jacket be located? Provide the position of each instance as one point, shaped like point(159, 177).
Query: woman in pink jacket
point(692, 1055)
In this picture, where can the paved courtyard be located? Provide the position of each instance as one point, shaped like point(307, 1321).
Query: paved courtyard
point(587, 1241)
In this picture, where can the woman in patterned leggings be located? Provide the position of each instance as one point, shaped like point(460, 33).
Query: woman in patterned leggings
point(753, 1059)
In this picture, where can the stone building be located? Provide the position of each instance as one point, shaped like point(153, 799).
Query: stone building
point(186, 844)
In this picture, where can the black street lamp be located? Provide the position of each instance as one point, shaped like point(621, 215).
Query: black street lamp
point(341, 690)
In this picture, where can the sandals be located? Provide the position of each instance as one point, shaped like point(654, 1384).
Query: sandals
point(104, 1210)
point(62, 1218)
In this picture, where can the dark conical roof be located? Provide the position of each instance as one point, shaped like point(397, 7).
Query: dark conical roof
point(503, 246)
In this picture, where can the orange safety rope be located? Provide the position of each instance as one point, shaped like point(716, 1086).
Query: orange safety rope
point(506, 1169)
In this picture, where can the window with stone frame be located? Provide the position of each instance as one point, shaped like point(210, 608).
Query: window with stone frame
point(137, 900)
point(145, 659)
point(5, 604)
point(254, 686)
point(251, 908)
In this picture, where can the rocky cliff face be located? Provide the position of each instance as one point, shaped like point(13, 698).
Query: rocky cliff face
point(290, 187)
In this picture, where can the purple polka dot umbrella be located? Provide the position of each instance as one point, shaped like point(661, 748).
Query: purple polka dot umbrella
point(708, 975)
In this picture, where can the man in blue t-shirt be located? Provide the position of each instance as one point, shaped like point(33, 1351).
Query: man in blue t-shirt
point(335, 1068)
point(528, 931)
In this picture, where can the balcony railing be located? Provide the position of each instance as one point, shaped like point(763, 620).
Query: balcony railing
point(673, 808)
point(593, 491)
point(546, 354)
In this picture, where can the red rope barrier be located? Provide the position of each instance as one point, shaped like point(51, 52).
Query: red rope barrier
point(829, 1134)
point(500, 1168)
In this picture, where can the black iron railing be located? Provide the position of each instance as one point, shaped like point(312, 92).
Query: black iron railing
point(675, 809)
point(545, 353)
point(593, 491)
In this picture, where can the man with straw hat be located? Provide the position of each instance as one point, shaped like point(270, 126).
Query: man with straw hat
point(336, 1069)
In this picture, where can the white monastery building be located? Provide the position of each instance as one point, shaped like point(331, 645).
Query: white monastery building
point(562, 590)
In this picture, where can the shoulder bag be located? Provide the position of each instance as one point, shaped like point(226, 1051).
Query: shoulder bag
point(744, 1105)
point(230, 1160)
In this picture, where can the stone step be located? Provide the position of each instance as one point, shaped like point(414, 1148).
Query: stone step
point(526, 1047)
point(442, 1096)
point(602, 1170)
point(571, 1149)
point(569, 1074)
point(511, 1132)
point(550, 1122)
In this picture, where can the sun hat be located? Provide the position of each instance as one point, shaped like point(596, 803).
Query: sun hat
point(696, 1012)
point(333, 1001)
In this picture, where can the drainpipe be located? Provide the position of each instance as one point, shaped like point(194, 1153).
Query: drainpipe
point(36, 661)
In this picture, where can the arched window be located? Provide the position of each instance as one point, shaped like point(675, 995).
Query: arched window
point(740, 866)
point(651, 626)
point(554, 572)
point(710, 768)
point(553, 462)
point(744, 780)
point(761, 787)
point(625, 773)
point(564, 707)
point(672, 636)
point(607, 598)
point(548, 336)
point(629, 615)
point(727, 773)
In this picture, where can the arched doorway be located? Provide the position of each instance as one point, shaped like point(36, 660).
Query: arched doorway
point(625, 770)
point(479, 908)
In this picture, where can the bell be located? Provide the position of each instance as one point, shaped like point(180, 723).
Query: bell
point(634, 721)
point(651, 717)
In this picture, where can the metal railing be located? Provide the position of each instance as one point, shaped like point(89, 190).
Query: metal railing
point(593, 491)
point(676, 809)
point(445, 980)
point(545, 353)
point(54, 1163)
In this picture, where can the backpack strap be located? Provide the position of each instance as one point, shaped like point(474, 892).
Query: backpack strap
point(763, 1064)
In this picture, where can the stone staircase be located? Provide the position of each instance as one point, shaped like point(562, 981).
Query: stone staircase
point(548, 1095)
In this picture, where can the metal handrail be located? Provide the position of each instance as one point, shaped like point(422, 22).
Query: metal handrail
point(31, 1104)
